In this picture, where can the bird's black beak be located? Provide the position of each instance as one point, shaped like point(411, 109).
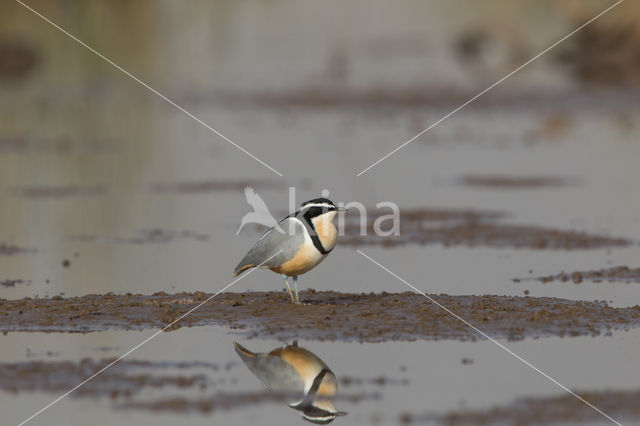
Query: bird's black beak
point(342, 209)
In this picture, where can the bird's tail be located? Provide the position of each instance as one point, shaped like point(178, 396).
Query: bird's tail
point(240, 269)
point(242, 351)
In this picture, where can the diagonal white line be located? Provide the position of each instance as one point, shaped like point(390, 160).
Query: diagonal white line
point(151, 89)
point(94, 375)
point(491, 87)
point(476, 329)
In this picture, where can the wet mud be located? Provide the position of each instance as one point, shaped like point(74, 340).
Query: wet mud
point(13, 283)
point(10, 250)
point(323, 316)
point(622, 274)
point(57, 145)
point(145, 236)
point(227, 401)
point(23, 145)
point(379, 99)
point(196, 386)
point(513, 182)
point(206, 186)
point(59, 191)
point(123, 379)
point(621, 405)
point(18, 60)
point(471, 229)
point(604, 54)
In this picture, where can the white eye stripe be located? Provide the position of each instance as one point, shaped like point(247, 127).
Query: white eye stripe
point(323, 205)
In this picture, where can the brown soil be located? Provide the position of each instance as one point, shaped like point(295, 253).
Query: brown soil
point(205, 186)
point(513, 182)
point(615, 274)
point(145, 236)
point(324, 316)
point(621, 405)
point(472, 228)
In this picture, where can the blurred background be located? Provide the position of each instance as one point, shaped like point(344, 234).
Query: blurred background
point(318, 92)
point(104, 186)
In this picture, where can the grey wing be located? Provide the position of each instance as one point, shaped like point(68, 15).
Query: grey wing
point(265, 251)
point(276, 374)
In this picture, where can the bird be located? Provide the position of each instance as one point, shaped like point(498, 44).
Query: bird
point(298, 373)
point(305, 238)
point(260, 213)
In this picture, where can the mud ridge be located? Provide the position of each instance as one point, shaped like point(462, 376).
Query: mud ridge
point(513, 182)
point(621, 405)
point(195, 386)
point(59, 191)
point(145, 236)
point(324, 315)
point(210, 185)
point(616, 274)
point(10, 250)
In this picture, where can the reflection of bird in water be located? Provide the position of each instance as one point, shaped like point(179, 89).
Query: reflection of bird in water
point(260, 213)
point(294, 370)
point(310, 237)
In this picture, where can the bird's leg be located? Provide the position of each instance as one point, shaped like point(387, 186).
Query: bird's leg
point(295, 285)
point(286, 282)
point(285, 345)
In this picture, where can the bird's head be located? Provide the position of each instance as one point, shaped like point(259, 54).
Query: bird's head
point(321, 208)
point(318, 411)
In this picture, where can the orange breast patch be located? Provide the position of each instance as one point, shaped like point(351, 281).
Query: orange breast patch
point(306, 258)
point(327, 233)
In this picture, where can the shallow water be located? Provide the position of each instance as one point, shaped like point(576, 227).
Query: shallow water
point(418, 378)
point(106, 188)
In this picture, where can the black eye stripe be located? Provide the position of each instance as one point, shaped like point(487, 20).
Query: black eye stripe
point(314, 211)
point(309, 214)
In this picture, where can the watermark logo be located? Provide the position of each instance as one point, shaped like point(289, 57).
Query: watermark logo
point(260, 214)
point(386, 218)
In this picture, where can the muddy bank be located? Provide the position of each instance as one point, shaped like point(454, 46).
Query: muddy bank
point(491, 235)
point(18, 59)
point(57, 145)
point(211, 185)
point(621, 405)
point(24, 145)
point(513, 182)
point(13, 283)
point(381, 98)
point(59, 191)
point(324, 316)
point(10, 250)
point(622, 274)
point(227, 401)
point(145, 236)
point(478, 234)
point(199, 387)
point(123, 379)
point(603, 54)
point(471, 228)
